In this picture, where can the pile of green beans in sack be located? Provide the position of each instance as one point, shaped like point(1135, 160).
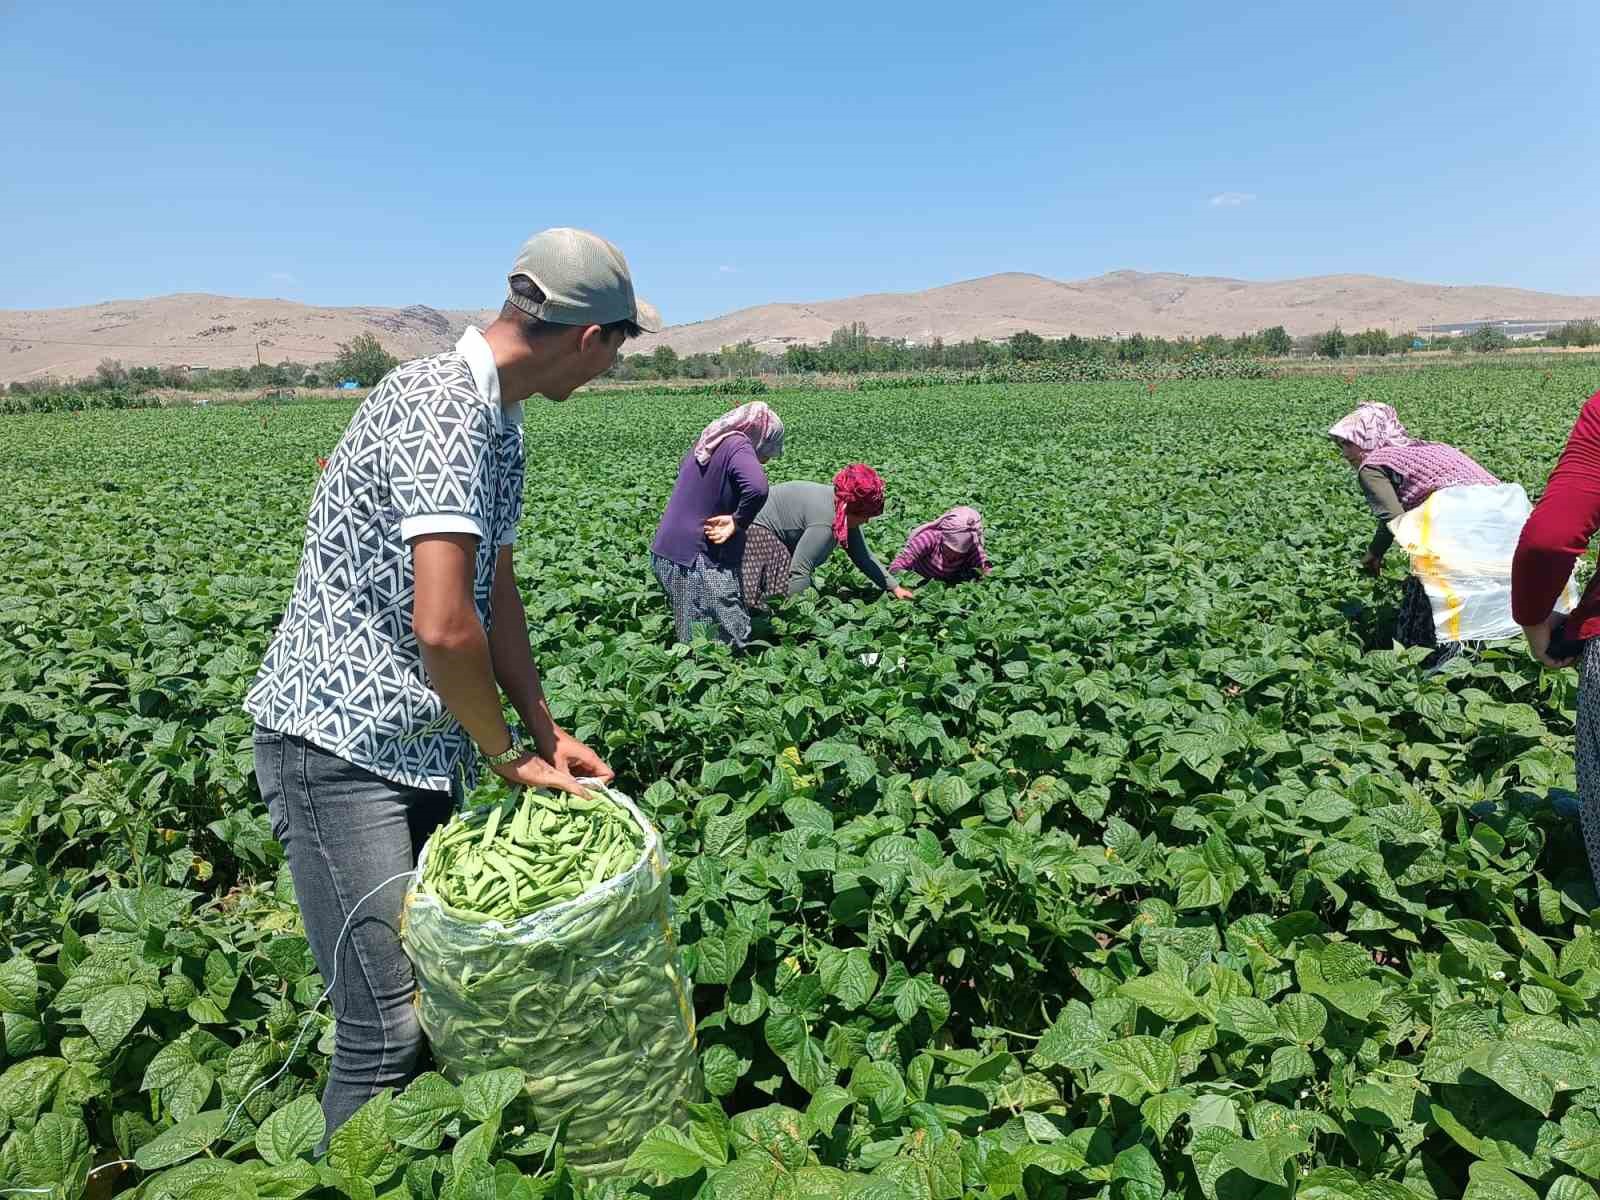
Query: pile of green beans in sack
point(539, 930)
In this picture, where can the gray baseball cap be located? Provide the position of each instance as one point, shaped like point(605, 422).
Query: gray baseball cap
point(584, 279)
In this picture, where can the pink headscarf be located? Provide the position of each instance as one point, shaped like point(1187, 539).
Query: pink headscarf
point(755, 420)
point(857, 492)
point(1372, 427)
point(960, 540)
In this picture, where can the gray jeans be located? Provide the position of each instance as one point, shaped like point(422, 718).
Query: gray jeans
point(345, 831)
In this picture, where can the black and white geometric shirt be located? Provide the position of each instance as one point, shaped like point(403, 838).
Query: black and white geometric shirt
point(430, 450)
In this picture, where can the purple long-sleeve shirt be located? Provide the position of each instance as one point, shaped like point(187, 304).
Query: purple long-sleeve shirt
point(731, 484)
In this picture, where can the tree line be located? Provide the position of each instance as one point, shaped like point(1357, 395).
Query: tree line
point(851, 350)
point(362, 359)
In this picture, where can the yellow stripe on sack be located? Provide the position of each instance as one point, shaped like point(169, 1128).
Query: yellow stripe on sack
point(1426, 564)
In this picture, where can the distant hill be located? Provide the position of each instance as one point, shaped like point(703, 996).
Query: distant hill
point(222, 331)
point(996, 306)
point(209, 331)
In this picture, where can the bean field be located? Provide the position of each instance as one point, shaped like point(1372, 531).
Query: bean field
point(1145, 868)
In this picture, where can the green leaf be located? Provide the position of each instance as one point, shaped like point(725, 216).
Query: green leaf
point(111, 1014)
point(477, 1144)
point(1290, 1063)
point(1162, 1112)
point(667, 1154)
point(1137, 1066)
point(721, 1068)
point(1250, 1018)
point(1485, 1181)
point(1579, 1147)
point(19, 986)
point(1266, 1159)
point(779, 1133)
point(1072, 1040)
point(825, 1107)
point(187, 1182)
point(183, 1140)
point(1300, 1017)
point(418, 1115)
point(55, 1154)
point(1139, 1173)
point(487, 1094)
point(287, 1182)
point(27, 1086)
point(848, 976)
point(1531, 1072)
point(361, 1147)
point(183, 1083)
point(1568, 1188)
point(23, 1035)
point(291, 1131)
point(1167, 997)
point(989, 1069)
point(1337, 1183)
point(1214, 1110)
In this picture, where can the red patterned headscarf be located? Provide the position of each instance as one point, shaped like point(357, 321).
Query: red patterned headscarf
point(857, 492)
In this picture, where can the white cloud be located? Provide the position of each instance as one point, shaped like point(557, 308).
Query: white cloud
point(1231, 199)
point(725, 269)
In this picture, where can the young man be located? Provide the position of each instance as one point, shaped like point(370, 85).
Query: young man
point(383, 683)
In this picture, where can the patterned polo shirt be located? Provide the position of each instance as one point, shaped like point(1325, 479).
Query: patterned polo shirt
point(430, 450)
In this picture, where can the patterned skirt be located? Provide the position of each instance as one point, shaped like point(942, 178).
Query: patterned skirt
point(764, 573)
point(1587, 752)
point(704, 598)
point(1414, 626)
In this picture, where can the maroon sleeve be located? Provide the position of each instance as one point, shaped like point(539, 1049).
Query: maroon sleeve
point(1558, 531)
point(749, 480)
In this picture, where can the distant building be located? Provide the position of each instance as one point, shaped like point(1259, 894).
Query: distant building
point(1515, 330)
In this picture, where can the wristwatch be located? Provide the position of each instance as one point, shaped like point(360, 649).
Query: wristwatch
point(509, 755)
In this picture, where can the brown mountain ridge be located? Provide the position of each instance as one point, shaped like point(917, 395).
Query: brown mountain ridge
point(215, 331)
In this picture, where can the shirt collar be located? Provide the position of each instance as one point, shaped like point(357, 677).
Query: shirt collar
point(485, 375)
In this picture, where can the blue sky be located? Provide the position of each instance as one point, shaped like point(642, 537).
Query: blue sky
point(345, 153)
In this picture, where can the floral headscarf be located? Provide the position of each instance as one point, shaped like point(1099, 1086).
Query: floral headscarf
point(1372, 427)
point(755, 420)
point(949, 548)
point(960, 538)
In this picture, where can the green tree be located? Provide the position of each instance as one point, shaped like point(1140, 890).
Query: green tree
point(363, 359)
point(1369, 342)
point(1135, 348)
point(743, 359)
point(1276, 341)
point(664, 362)
point(1026, 346)
point(1486, 339)
point(1577, 333)
point(1333, 343)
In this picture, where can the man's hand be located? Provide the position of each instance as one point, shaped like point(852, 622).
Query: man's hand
point(574, 757)
point(902, 593)
point(1539, 642)
point(719, 530)
point(1371, 564)
point(532, 771)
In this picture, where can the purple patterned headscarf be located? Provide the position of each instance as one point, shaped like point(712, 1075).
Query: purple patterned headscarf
point(1372, 427)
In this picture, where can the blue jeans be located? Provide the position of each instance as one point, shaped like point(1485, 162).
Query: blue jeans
point(345, 831)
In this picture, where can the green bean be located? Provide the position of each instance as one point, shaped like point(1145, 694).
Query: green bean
point(538, 930)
